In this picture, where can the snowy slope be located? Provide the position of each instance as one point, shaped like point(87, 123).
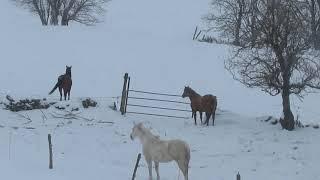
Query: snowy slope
point(149, 39)
point(97, 150)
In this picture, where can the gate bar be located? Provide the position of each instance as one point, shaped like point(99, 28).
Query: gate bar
point(162, 94)
point(157, 107)
point(161, 115)
point(152, 99)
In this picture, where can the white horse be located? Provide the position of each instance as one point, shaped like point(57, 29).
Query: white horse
point(157, 150)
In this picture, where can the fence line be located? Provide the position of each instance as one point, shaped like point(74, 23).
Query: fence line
point(161, 94)
point(161, 100)
point(160, 115)
point(157, 107)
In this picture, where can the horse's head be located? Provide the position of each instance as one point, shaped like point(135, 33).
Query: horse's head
point(136, 131)
point(187, 92)
point(68, 70)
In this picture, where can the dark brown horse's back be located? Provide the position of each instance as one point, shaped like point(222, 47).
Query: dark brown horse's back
point(209, 102)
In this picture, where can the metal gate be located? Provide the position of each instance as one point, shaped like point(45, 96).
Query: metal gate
point(140, 100)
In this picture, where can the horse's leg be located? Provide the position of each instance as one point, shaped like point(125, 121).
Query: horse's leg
point(195, 117)
point(60, 90)
point(184, 168)
point(156, 166)
point(149, 162)
point(69, 94)
point(207, 118)
point(200, 116)
point(213, 117)
point(65, 94)
point(214, 111)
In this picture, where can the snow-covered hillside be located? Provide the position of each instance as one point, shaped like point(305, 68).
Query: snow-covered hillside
point(152, 41)
point(92, 148)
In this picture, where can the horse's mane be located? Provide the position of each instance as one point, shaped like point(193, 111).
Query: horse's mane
point(154, 138)
point(192, 91)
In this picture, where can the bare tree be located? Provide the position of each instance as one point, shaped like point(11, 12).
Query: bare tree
point(37, 7)
point(82, 11)
point(314, 10)
point(281, 61)
point(227, 17)
point(52, 11)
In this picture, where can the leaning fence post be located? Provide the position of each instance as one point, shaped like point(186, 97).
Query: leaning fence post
point(136, 166)
point(238, 176)
point(124, 92)
point(127, 95)
point(50, 152)
point(195, 32)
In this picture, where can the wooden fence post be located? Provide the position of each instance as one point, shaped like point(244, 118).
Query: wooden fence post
point(124, 92)
point(238, 176)
point(136, 166)
point(50, 152)
point(127, 95)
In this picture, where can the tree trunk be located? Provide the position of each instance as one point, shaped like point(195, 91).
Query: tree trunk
point(54, 18)
point(43, 21)
point(64, 18)
point(40, 11)
point(238, 24)
point(64, 22)
point(66, 13)
point(313, 23)
point(253, 23)
point(288, 120)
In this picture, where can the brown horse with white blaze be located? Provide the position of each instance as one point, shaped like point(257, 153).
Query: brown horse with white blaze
point(207, 103)
point(64, 83)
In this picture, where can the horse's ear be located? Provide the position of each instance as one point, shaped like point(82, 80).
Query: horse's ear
point(140, 125)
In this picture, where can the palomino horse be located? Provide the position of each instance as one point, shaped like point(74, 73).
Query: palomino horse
point(206, 103)
point(65, 83)
point(157, 150)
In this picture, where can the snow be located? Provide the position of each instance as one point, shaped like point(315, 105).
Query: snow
point(152, 41)
point(94, 150)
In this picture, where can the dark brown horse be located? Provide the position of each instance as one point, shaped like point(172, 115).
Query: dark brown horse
point(65, 83)
point(206, 103)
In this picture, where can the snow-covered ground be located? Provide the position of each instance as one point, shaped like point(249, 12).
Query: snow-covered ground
point(96, 150)
point(152, 41)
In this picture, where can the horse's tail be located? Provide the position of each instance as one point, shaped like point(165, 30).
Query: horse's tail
point(57, 85)
point(214, 108)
